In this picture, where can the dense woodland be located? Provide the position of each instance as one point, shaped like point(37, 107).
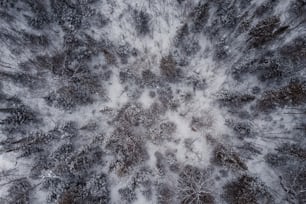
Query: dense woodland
point(149, 101)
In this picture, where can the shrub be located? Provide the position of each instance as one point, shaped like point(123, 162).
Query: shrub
point(246, 189)
point(127, 194)
point(99, 20)
point(142, 180)
point(181, 34)
point(28, 144)
point(293, 182)
point(73, 197)
point(19, 117)
point(264, 31)
point(150, 79)
point(164, 132)
point(265, 8)
point(128, 147)
point(35, 143)
point(168, 67)
point(165, 95)
point(67, 14)
point(35, 40)
point(289, 160)
point(293, 94)
point(79, 91)
point(270, 69)
point(233, 99)
point(6, 16)
point(127, 77)
point(200, 15)
point(228, 17)
point(276, 160)
point(62, 169)
point(180, 1)
point(249, 150)
point(221, 51)
point(66, 199)
point(295, 50)
point(242, 129)
point(298, 8)
point(42, 162)
point(187, 43)
point(67, 129)
point(201, 122)
point(142, 22)
point(227, 158)
point(124, 52)
point(165, 194)
point(56, 64)
point(190, 47)
point(292, 150)
point(130, 115)
point(23, 79)
point(6, 4)
point(244, 4)
point(68, 97)
point(41, 17)
point(98, 188)
point(160, 163)
point(243, 26)
point(19, 192)
point(197, 83)
point(152, 114)
point(194, 185)
point(82, 162)
point(63, 151)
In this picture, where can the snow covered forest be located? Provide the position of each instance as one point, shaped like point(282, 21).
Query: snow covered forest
point(152, 101)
